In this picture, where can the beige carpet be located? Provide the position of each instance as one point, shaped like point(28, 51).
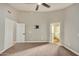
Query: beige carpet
point(38, 50)
point(44, 50)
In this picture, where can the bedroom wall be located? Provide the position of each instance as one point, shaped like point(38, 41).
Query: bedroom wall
point(43, 19)
point(4, 8)
point(31, 19)
point(71, 27)
point(1, 30)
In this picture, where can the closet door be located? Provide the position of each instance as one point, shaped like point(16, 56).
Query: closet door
point(20, 32)
point(9, 31)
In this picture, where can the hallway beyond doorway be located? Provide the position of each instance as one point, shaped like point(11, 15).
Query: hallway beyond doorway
point(55, 33)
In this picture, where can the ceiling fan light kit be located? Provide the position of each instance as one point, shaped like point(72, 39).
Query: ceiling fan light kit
point(43, 4)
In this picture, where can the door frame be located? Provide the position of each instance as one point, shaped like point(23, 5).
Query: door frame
point(51, 31)
point(24, 34)
point(13, 33)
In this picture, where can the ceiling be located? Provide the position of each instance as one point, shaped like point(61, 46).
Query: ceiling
point(32, 6)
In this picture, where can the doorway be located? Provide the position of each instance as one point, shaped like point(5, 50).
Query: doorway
point(9, 33)
point(20, 32)
point(55, 33)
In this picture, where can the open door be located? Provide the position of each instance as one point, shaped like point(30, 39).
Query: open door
point(55, 33)
point(20, 32)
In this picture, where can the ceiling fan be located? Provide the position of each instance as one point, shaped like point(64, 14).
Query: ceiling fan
point(44, 4)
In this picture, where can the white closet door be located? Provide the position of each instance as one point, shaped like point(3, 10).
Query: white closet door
point(9, 31)
point(20, 32)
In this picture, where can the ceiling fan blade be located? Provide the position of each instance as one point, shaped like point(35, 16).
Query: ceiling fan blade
point(46, 5)
point(37, 7)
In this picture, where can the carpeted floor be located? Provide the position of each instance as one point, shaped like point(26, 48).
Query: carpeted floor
point(37, 49)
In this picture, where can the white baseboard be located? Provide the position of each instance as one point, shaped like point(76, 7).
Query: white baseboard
point(32, 42)
point(2, 51)
point(5, 49)
point(71, 49)
point(23, 42)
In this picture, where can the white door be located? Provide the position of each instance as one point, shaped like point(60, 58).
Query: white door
point(9, 33)
point(51, 32)
point(20, 32)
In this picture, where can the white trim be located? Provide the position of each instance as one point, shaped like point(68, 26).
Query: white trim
point(32, 41)
point(23, 42)
point(5, 49)
point(71, 49)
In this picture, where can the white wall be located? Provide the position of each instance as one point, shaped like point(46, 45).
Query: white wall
point(4, 8)
point(71, 27)
point(31, 19)
point(43, 19)
point(1, 29)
